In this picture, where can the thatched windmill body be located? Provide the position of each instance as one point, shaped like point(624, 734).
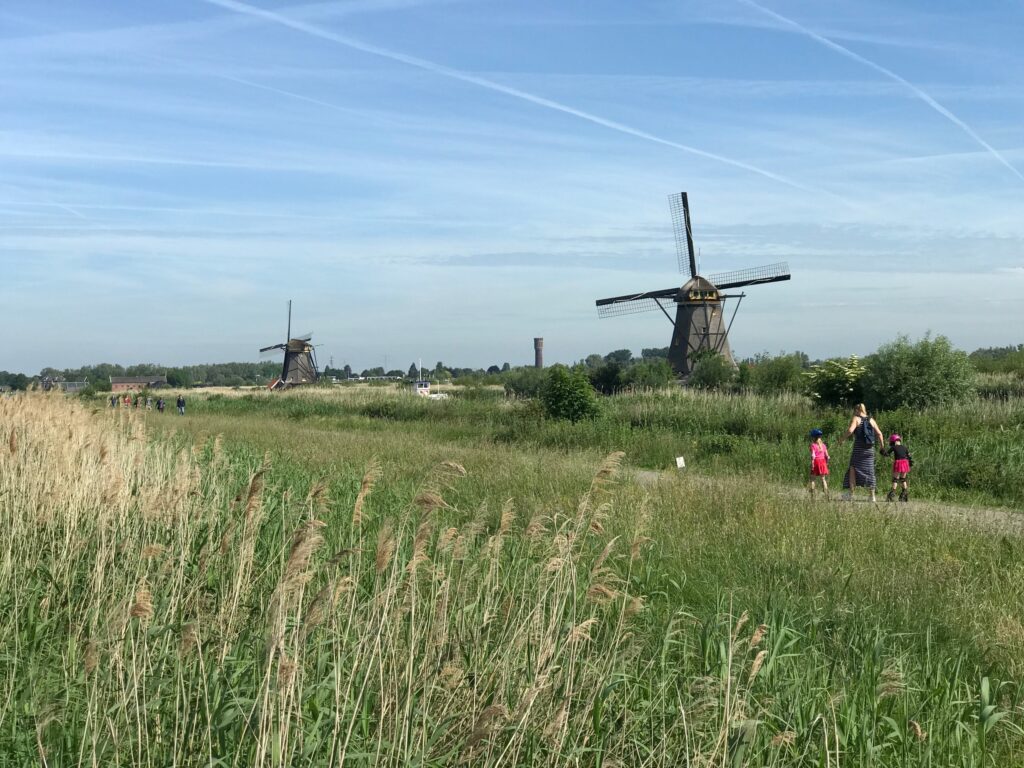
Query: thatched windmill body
point(299, 359)
point(699, 325)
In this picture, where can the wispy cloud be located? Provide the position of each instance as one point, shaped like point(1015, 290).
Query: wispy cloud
point(916, 90)
point(466, 77)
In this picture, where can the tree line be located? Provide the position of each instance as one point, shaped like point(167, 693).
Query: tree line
point(611, 372)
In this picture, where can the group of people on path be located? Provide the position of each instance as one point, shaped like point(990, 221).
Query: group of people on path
point(866, 437)
point(127, 401)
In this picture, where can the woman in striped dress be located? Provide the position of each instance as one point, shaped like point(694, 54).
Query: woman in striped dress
point(866, 437)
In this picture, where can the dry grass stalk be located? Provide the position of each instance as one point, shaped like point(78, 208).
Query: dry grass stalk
point(609, 469)
point(385, 548)
point(535, 528)
point(740, 624)
point(305, 543)
point(601, 593)
point(636, 547)
point(370, 478)
point(891, 683)
point(488, 720)
point(557, 723)
point(446, 539)
point(318, 499)
point(581, 632)
point(554, 565)
point(508, 516)
point(189, 639)
point(449, 470)
point(634, 606)
point(756, 666)
point(603, 556)
point(919, 733)
point(12, 442)
point(142, 609)
point(254, 496)
point(225, 540)
point(152, 550)
point(783, 738)
point(285, 671)
point(452, 676)
point(419, 546)
point(429, 500)
point(758, 635)
point(92, 657)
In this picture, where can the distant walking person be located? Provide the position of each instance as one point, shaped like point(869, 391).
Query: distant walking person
point(113, 401)
point(149, 403)
point(866, 436)
point(181, 405)
point(902, 461)
point(819, 461)
point(160, 404)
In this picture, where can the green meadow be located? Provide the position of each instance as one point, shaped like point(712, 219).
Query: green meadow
point(361, 577)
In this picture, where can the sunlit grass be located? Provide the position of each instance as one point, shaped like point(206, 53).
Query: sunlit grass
point(294, 591)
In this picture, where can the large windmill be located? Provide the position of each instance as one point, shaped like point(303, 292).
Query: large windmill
point(299, 359)
point(699, 325)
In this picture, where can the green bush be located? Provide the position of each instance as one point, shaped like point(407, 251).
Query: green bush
point(569, 395)
point(524, 382)
point(650, 374)
point(712, 372)
point(837, 382)
point(783, 373)
point(608, 378)
point(928, 372)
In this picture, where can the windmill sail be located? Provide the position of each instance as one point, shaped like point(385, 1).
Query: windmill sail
point(634, 303)
point(679, 205)
point(769, 273)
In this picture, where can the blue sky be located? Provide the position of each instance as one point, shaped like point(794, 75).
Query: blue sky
point(447, 179)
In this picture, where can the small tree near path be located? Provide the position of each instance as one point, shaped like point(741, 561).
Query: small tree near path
point(918, 374)
point(569, 395)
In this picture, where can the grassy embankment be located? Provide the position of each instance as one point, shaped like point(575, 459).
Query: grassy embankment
point(973, 453)
point(464, 601)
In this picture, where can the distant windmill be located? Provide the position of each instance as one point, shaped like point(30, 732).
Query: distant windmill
point(699, 327)
point(299, 359)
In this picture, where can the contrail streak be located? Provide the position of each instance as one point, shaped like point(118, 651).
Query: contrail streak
point(50, 204)
point(920, 93)
point(466, 77)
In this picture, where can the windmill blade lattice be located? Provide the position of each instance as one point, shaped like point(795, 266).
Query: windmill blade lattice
point(633, 303)
point(769, 273)
point(679, 205)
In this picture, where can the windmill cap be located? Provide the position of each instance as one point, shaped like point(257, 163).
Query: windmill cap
point(894, 438)
point(816, 433)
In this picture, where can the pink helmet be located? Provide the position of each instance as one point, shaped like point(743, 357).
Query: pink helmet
point(894, 438)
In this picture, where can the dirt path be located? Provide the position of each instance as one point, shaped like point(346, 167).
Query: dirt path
point(1000, 520)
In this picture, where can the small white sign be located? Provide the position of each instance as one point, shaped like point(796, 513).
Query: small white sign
point(680, 462)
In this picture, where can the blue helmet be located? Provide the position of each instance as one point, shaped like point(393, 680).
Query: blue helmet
point(816, 433)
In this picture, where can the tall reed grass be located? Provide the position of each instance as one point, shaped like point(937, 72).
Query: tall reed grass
point(173, 603)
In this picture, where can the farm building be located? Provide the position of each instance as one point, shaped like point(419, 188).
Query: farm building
point(72, 387)
point(135, 383)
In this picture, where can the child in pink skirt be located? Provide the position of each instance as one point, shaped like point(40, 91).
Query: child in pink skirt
point(902, 461)
point(819, 461)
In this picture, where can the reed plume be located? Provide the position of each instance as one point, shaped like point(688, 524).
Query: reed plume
point(370, 478)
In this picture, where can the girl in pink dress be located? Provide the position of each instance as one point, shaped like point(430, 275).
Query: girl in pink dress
point(902, 461)
point(819, 461)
